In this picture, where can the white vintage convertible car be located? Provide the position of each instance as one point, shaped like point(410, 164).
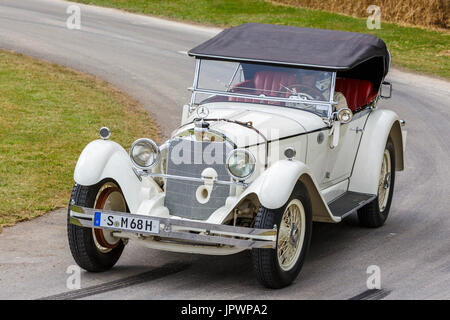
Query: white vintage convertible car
point(282, 130)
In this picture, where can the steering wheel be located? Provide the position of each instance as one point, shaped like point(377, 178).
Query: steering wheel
point(301, 90)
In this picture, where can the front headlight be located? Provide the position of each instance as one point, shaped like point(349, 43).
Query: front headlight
point(145, 153)
point(241, 164)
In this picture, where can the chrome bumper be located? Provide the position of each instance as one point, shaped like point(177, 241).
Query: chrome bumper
point(186, 230)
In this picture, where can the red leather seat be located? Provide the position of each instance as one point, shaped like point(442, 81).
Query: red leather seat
point(357, 92)
point(245, 87)
point(269, 83)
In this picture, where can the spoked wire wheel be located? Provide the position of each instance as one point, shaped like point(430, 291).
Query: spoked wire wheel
point(291, 235)
point(375, 213)
point(384, 183)
point(279, 267)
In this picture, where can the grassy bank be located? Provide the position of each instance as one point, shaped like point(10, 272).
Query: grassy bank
point(413, 48)
point(48, 114)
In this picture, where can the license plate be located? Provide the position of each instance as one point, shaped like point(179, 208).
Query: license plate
point(126, 223)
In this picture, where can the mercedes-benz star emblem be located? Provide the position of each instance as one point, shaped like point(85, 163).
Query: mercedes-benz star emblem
point(202, 112)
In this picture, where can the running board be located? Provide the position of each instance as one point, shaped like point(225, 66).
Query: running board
point(349, 202)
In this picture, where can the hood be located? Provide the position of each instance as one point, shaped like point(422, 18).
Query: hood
point(273, 122)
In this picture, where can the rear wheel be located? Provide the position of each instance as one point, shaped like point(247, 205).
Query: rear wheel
point(94, 249)
point(375, 213)
point(277, 268)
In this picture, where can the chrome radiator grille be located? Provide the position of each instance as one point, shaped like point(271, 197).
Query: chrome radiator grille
point(186, 158)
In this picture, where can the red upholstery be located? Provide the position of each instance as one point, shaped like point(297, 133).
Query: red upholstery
point(357, 92)
point(268, 83)
point(245, 87)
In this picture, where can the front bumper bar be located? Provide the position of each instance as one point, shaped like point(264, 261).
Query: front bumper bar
point(186, 230)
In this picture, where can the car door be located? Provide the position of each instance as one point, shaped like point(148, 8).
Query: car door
point(333, 165)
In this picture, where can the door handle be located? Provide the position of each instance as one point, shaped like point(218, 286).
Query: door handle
point(357, 129)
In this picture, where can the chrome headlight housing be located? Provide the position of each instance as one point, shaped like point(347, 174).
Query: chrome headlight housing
point(145, 153)
point(240, 164)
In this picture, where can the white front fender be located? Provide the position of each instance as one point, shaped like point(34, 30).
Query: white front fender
point(106, 159)
point(275, 185)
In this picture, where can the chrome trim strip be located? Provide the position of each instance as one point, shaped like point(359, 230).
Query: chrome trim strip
point(333, 83)
point(194, 85)
point(261, 97)
point(171, 176)
point(288, 137)
point(181, 229)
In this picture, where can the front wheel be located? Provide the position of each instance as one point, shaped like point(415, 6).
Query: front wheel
point(277, 268)
point(96, 250)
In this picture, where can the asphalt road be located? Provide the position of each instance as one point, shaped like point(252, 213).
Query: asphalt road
point(145, 57)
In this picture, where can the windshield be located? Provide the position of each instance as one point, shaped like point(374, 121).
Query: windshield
point(220, 81)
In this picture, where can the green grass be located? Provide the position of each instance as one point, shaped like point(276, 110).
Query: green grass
point(417, 49)
point(47, 115)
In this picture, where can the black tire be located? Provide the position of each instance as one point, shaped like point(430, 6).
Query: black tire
point(81, 239)
point(370, 215)
point(265, 261)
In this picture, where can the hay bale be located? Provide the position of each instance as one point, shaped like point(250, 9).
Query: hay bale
point(425, 13)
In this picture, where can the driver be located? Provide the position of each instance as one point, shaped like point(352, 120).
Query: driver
point(341, 100)
point(321, 82)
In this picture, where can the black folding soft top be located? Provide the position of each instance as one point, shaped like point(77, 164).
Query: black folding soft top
point(313, 48)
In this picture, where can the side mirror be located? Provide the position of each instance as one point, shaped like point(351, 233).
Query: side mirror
point(386, 90)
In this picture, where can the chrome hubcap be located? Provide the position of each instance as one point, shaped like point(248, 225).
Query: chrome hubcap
point(291, 235)
point(109, 197)
point(294, 235)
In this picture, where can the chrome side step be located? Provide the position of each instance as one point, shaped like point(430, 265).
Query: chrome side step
point(349, 202)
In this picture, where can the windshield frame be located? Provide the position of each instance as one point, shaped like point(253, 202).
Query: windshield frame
point(195, 90)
